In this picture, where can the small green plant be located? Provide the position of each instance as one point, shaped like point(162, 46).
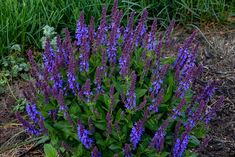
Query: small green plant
point(11, 67)
point(48, 33)
point(113, 93)
point(20, 105)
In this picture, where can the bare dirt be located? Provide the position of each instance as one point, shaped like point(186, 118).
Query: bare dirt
point(218, 58)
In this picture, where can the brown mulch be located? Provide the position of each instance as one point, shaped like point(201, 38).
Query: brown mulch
point(218, 59)
point(14, 141)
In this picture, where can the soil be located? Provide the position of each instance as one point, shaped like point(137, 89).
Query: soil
point(217, 54)
point(218, 59)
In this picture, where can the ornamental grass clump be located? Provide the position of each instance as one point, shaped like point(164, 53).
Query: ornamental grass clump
point(112, 92)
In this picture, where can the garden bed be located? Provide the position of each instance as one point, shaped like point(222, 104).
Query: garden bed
point(217, 54)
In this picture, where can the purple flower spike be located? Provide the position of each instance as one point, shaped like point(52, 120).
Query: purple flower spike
point(33, 113)
point(158, 80)
point(111, 94)
point(84, 56)
point(124, 63)
point(81, 30)
point(91, 31)
point(71, 74)
point(131, 95)
point(157, 102)
point(151, 42)
point(83, 136)
point(197, 115)
point(129, 28)
point(168, 32)
point(211, 113)
point(95, 152)
point(180, 146)
point(29, 127)
point(207, 92)
point(178, 108)
point(127, 151)
point(101, 33)
point(140, 29)
point(86, 90)
point(34, 67)
point(109, 123)
point(114, 36)
point(157, 141)
point(49, 56)
point(136, 133)
point(98, 81)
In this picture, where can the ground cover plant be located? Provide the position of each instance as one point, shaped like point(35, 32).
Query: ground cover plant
point(112, 92)
point(22, 21)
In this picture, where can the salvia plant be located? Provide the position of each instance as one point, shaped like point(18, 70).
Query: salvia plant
point(112, 92)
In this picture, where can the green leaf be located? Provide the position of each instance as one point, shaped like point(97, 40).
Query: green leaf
point(140, 92)
point(43, 139)
point(189, 153)
point(50, 151)
point(101, 126)
point(115, 147)
point(193, 141)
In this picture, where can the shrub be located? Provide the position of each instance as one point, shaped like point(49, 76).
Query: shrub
point(113, 93)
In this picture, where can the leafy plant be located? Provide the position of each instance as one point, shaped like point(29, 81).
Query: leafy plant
point(113, 92)
point(48, 33)
point(12, 67)
point(20, 106)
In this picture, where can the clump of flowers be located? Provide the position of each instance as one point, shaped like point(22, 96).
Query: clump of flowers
point(113, 93)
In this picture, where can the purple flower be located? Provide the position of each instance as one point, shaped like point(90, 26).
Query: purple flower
point(91, 31)
point(124, 63)
point(207, 92)
point(142, 105)
point(168, 32)
point(178, 108)
point(71, 74)
point(197, 115)
point(158, 80)
point(102, 29)
point(84, 56)
point(83, 136)
point(127, 151)
point(109, 123)
point(136, 133)
point(129, 28)
point(81, 30)
point(95, 152)
point(211, 113)
point(157, 141)
point(114, 36)
point(185, 82)
point(177, 129)
point(157, 102)
point(151, 42)
point(131, 95)
point(29, 127)
point(111, 94)
point(49, 57)
point(86, 90)
point(180, 146)
point(34, 67)
point(98, 80)
point(33, 113)
point(140, 29)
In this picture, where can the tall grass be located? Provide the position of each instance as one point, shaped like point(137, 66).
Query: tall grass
point(21, 21)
